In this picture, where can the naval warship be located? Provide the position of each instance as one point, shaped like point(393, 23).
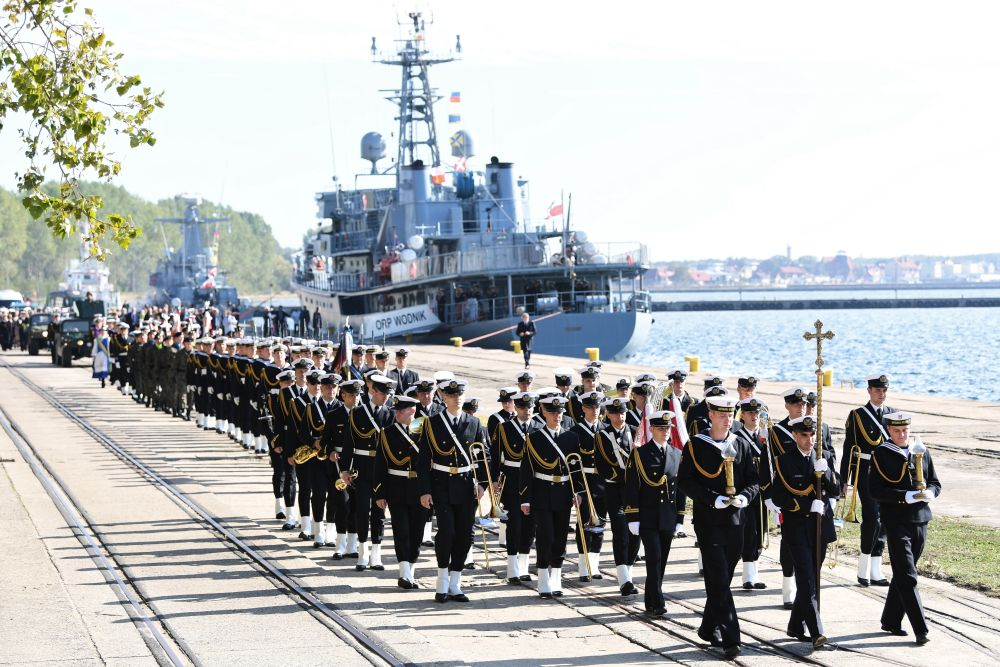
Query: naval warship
point(436, 251)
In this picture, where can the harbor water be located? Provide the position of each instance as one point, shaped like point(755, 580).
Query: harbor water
point(942, 351)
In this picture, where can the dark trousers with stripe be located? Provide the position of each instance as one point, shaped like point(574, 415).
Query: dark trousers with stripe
point(906, 543)
point(720, 547)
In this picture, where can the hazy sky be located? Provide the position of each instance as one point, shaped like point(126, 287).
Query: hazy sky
point(701, 128)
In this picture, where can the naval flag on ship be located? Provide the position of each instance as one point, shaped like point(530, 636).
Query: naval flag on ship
point(555, 209)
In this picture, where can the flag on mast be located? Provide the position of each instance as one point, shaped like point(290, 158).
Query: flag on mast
point(555, 210)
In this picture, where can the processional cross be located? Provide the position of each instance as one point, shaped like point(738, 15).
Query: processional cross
point(819, 336)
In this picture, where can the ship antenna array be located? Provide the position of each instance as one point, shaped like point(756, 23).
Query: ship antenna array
point(415, 98)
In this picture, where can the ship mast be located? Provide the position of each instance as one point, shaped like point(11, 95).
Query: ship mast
point(415, 98)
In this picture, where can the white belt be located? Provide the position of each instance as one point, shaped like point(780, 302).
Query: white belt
point(865, 457)
point(610, 481)
point(590, 471)
point(555, 479)
point(275, 392)
point(512, 464)
point(365, 452)
point(409, 474)
point(339, 450)
point(451, 469)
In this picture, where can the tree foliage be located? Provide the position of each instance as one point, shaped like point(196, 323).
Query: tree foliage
point(32, 263)
point(60, 82)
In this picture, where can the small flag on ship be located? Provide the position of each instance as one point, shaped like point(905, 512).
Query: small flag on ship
point(456, 96)
point(554, 210)
point(454, 118)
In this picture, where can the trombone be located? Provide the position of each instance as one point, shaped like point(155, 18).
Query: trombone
point(593, 525)
point(850, 508)
point(486, 505)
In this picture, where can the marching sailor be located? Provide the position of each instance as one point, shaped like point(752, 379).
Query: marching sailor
point(508, 449)
point(650, 485)
point(402, 487)
point(546, 493)
point(678, 401)
point(748, 429)
point(864, 430)
point(586, 430)
point(340, 503)
point(613, 448)
point(456, 485)
point(794, 492)
point(719, 515)
point(903, 482)
point(781, 440)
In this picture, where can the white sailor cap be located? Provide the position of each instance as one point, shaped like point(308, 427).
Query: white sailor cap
point(404, 401)
point(287, 374)
point(563, 375)
point(596, 363)
point(454, 386)
point(794, 395)
point(721, 403)
point(678, 374)
point(553, 403)
point(380, 381)
point(548, 391)
point(642, 378)
point(351, 386)
point(592, 398)
point(898, 419)
point(525, 376)
point(506, 393)
point(524, 398)
point(804, 424)
point(315, 375)
point(589, 372)
point(303, 362)
point(441, 376)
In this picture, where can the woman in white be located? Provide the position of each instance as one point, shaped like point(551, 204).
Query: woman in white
point(101, 354)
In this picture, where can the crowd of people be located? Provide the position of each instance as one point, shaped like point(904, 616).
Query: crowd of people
point(353, 438)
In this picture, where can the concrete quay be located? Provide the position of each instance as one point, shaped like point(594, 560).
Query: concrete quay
point(226, 613)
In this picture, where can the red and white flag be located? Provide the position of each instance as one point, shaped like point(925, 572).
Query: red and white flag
point(554, 210)
point(678, 429)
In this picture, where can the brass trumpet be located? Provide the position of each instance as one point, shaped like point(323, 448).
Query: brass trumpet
point(485, 505)
point(341, 485)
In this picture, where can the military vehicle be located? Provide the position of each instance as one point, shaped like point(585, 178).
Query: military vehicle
point(73, 338)
point(38, 333)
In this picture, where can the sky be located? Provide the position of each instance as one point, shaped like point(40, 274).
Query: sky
point(708, 129)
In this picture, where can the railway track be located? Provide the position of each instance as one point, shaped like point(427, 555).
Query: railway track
point(170, 648)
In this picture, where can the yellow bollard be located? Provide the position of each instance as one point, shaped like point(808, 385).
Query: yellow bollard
point(457, 340)
point(516, 344)
point(828, 377)
point(694, 363)
point(593, 353)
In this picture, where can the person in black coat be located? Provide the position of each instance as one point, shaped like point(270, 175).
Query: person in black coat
point(586, 430)
point(613, 446)
point(794, 491)
point(456, 482)
point(508, 452)
point(402, 484)
point(340, 504)
point(404, 377)
point(650, 489)
point(719, 514)
point(905, 513)
point(526, 332)
point(749, 430)
point(546, 492)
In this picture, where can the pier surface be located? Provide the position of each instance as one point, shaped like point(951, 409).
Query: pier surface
point(217, 607)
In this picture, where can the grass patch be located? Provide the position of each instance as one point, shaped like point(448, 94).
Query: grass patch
point(960, 552)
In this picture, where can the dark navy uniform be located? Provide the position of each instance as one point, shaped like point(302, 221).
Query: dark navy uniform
point(365, 424)
point(650, 488)
point(400, 480)
point(891, 483)
point(793, 490)
point(586, 433)
point(508, 451)
point(864, 430)
point(755, 527)
point(613, 451)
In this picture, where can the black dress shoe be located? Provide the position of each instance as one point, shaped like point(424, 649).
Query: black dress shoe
point(788, 605)
point(922, 639)
point(659, 611)
point(545, 596)
point(584, 579)
point(557, 594)
point(351, 555)
point(714, 639)
point(317, 545)
point(759, 586)
point(377, 568)
point(360, 568)
point(731, 652)
point(514, 581)
point(337, 556)
point(469, 566)
point(628, 588)
point(279, 515)
point(303, 536)
point(440, 597)
point(798, 636)
point(525, 577)
point(819, 641)
point(880, 582)
point(289, 526)
point(597, 576)
point(427, 543)
point(899, 632)
point(405, 584)
point(461, 597)
point(864, 583)
point(747, 586)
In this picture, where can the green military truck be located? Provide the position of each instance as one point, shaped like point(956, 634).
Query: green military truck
point(38, 333)
point(73, 337)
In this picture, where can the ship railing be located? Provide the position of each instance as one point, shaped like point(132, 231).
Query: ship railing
point(472, 308)
point(330, 242)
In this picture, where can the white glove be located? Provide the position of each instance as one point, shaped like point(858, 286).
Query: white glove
point(771, 506)
point(633, 527)
point(776, 517)
point(817, 507)
point(833, 504)
point(911, 497)
point(820, 465)
point(721, 502)
point(740, 502)
point(926, 496)
point(236, 400)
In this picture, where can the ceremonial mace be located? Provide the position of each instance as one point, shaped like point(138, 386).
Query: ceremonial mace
point(819, 336)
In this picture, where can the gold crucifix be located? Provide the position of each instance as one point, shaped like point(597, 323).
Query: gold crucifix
point(819, 336)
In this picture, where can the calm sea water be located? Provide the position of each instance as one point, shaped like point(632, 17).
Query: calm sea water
point(821, 294)
point(937, 351)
